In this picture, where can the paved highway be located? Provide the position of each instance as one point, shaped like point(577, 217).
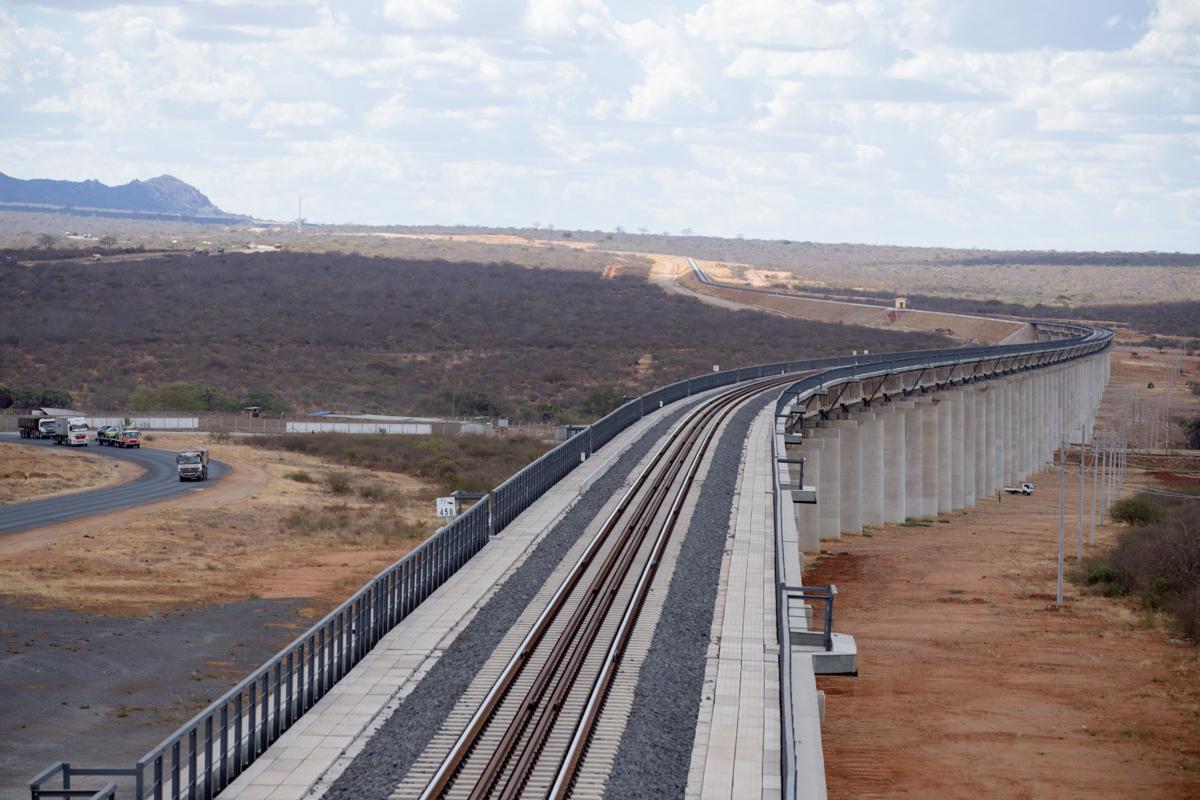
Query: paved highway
point(160, 482)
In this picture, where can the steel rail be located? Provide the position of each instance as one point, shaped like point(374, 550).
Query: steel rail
point(612, 659)
point(604, 599)
point(582, 627)
point(458, 752)
point(589, 614)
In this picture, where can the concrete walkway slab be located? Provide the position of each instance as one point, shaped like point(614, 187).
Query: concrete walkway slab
point(736, 752)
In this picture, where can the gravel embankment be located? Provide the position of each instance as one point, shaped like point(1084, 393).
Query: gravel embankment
point(656, 748)
point(376, 771)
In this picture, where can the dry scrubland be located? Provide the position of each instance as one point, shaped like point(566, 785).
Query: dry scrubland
point(1024, 277)
point(354, 332)
point(31, 473)
point(470, 463)
point(307, 529)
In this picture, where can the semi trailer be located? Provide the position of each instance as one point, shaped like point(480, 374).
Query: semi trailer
point(35, 427)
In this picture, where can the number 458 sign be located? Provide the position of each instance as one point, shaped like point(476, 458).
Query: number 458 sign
point(447, 507)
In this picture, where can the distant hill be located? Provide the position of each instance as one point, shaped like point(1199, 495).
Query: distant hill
point(162, 196)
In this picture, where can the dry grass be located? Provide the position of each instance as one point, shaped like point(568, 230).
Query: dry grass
point(30, 473)
point(290, 539)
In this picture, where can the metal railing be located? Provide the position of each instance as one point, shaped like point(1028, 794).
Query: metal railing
point(209, 751)
point(807, 595)
point(64, 772)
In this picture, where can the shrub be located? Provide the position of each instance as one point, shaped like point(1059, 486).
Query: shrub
point(372, 492)
point(471, 463)
point(600, 400)
point(220, 437)
point(337, 483)
point(1137, 511)
point(299, 476)
point(1186, 609)
point(1160, 561)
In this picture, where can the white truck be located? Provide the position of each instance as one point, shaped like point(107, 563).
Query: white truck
point(192, 464)
point(71, 431)
point(1024, 488)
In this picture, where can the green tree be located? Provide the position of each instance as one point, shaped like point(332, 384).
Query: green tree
point(469, 403)
point(182, 396)
point(1191, 430)
point(601, 399)
point(26, 397)
point(270, 402)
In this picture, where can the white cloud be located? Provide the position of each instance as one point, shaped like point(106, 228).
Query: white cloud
point(554, 19)
point(785, 23)
point(804, 119)
point(673, 79)
point(285, 115)
point(423, 13)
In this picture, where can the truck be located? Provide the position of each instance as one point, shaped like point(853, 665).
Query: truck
point(1024, 488)
point(71, 431)
point(35, 427)
point(127, 437)
point(192, 464)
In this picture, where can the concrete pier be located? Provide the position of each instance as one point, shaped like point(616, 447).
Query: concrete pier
point(851, 464)
point(914, 454)
point(829, 489)
point(945, 446)
point(873, 460)
point(895, 465)
point(969, 433)
point(808, 519)
point(958, 450)
point(930, 441)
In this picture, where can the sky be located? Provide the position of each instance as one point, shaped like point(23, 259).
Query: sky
point(1069, 124)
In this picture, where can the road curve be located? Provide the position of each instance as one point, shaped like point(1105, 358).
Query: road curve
point(160, 482)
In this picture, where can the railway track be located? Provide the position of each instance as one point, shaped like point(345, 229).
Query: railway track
point(532, 731)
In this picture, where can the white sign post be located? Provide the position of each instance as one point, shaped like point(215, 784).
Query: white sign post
point(447, 507)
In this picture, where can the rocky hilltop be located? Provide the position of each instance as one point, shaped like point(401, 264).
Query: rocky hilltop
point(162, 195)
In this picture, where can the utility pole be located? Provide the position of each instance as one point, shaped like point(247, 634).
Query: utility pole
point(1095, 484)
point(1105, 474)
point(1062, 513)
point(1082, 450)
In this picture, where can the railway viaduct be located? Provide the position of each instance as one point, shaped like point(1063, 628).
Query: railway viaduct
point(627, 616)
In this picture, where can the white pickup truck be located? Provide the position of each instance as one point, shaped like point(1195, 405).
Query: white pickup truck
point(1024, 488)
